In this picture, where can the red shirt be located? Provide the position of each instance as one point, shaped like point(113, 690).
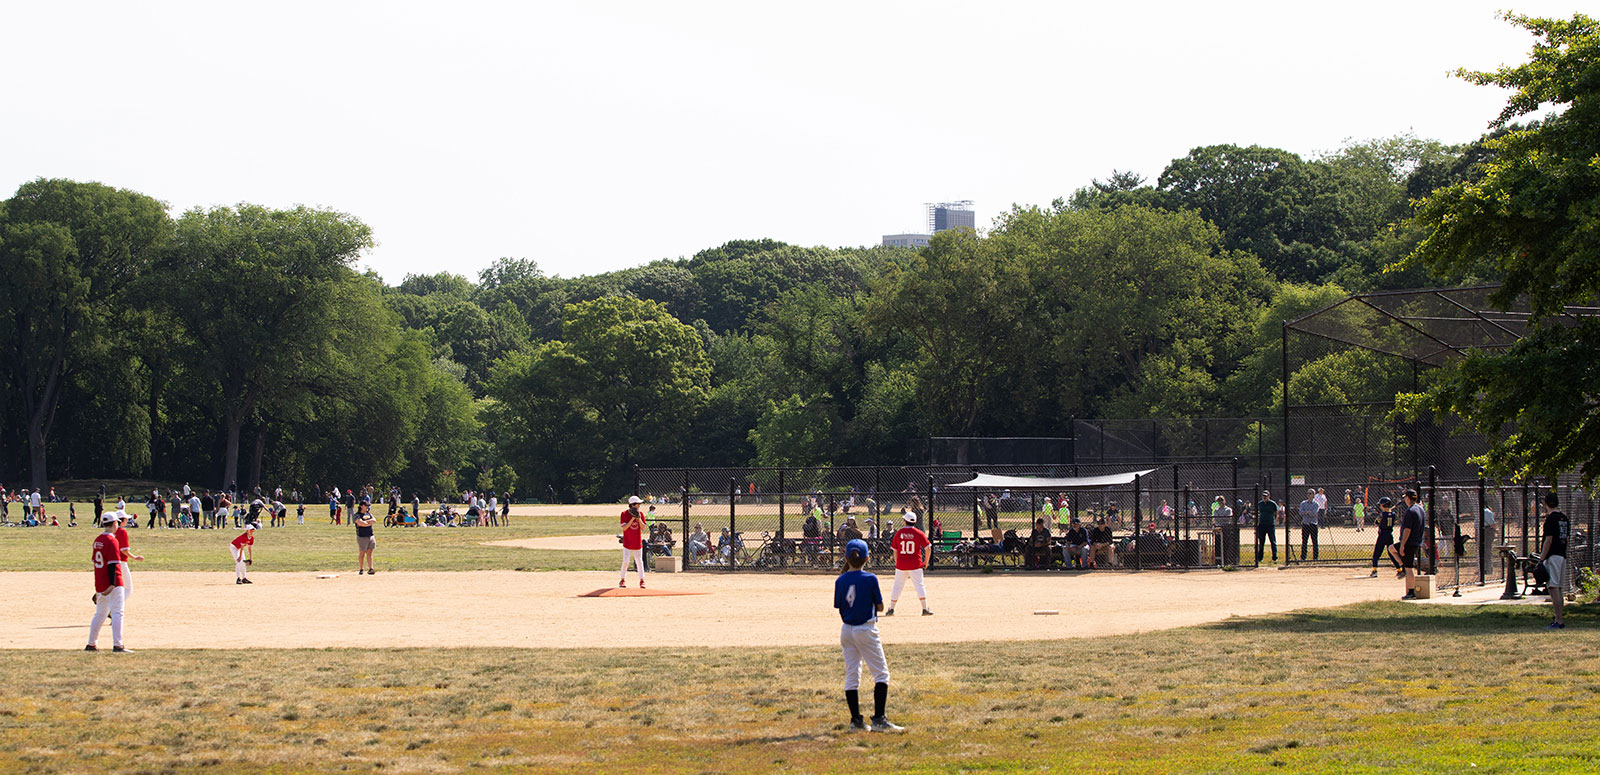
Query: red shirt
point(244, 539)
point(630, 534)
point(908, 545)
point(122, 541)
point(104, 554)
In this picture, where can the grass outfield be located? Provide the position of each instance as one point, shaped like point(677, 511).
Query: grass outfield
point(1365, 688)
point(315, 545)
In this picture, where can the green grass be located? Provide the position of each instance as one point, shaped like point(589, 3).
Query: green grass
point(315, 545)
point(1376, 687)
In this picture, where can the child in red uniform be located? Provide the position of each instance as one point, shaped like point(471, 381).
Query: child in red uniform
point(104, 556)
point(126, 544)
point(632, 541)
point(244, 552)
point(912, 551)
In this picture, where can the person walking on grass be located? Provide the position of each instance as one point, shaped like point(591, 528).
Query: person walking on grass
point(244, 552)
point(632, 541)
point(1557, 531)
point(365, 541)
point(104, 558)
point(912, 553)
point(1384, 546)
point(859, 600)
point(1411, 524)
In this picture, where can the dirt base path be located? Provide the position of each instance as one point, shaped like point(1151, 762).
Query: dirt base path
point(591, 543)
point(507, 608)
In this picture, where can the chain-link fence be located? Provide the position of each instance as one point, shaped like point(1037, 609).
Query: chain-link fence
point(1179, 515)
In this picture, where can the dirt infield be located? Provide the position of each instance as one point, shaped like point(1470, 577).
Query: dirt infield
point(590, 543)
point(507, 608)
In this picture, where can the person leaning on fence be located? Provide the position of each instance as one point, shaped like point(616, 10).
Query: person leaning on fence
point(1266, 526)
point(1310, 516)
point(1557, 531)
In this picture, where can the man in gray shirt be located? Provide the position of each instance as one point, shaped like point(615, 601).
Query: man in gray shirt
point(1310, 512)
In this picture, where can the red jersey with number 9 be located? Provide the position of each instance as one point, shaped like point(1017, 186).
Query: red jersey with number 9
point(105, 556)
point(908, 545)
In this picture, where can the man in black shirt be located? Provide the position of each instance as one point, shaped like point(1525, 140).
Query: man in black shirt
point(208, 505)
point(1411, 542)
point(1557, 529)
point(1266, 522)
point(1100, 545)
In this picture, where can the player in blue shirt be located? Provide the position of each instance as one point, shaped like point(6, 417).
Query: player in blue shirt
point(859, 600)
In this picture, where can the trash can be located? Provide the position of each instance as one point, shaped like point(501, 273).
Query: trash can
point(1228, 542)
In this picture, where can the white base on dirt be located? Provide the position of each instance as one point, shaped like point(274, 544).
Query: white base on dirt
point(327, 575)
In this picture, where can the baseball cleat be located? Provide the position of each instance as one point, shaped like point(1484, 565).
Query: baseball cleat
point(641, 583)
point(245, 581)
point(1555, 626)
point(238, 581)
point(883, 724)
point(122, 649)
point(90, 648)
point(889, 612)
point(372, 572)
point(926, 612)
point(857, 724)
point(623, 584)
point(1374, 574)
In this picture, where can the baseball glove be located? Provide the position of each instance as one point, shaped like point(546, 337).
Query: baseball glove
point(249, 562)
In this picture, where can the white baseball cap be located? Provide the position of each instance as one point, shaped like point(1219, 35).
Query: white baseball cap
point(910, 518)
point(632, 499)
point(251, 526)
point(108, 518)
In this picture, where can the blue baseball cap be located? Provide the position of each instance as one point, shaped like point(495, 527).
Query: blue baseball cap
point(856, 548)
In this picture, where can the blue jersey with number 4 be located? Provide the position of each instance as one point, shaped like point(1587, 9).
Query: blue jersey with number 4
point(856, 595)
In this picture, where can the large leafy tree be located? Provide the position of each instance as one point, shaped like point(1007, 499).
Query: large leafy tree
point(620, 388)
point(69, 252)
point(267, 301)
point(1533, 215)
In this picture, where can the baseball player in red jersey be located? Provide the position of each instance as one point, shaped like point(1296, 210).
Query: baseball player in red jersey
point(912, 552)
point(104, 556)
point(244, 552)
point(632, 541)
point(126, 544)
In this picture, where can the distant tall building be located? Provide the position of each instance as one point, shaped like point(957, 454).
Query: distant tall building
point(951, 215)
point(942, 216)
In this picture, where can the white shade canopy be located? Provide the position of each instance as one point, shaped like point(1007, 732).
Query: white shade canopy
point(992, 482)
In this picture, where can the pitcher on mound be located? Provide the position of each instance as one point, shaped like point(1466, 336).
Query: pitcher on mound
point(632, 541)
point(912, 552)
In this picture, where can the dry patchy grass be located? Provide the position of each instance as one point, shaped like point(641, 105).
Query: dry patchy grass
point(1365, 688)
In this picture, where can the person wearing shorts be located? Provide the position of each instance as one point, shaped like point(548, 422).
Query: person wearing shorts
point(1410, 543)
point(366, 542)
point(1557, 531)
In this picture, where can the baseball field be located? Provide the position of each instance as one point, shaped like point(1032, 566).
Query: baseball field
point(471, 651)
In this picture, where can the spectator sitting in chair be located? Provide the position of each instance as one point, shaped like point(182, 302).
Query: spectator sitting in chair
point(725, 546)
point(1101, 548)
point(1038, 549)
point(1076, 553)
point(849, 532)
point(699, 544)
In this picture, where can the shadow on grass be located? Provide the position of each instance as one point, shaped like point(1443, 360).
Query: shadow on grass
point(1398, 617)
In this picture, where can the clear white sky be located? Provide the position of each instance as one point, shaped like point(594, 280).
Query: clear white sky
point(591, 136)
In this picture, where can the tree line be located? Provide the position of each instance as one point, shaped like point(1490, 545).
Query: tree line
point(242, 345)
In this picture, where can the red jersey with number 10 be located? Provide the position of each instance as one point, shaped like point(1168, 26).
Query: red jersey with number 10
point(630, 534)
point(106, 556)
point(908, 545)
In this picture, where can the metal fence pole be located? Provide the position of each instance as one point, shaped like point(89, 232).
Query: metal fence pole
point(733, 526)
point(1433, 523)
point(684, 498)
point(1524, 510)
point(1483, 546)
point(927, 519)
point(1138, 518)
point(1458, 543)
point(1186, 497)
point(1288, 551)
point(782, 496)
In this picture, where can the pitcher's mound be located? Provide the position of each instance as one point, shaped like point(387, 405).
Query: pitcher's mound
point(635, 592)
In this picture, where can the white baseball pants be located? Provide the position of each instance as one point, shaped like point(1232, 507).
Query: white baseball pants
point(238, 561)
point(860, 643)
point(109, 603)
point(637, 555)
point(900, 577)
